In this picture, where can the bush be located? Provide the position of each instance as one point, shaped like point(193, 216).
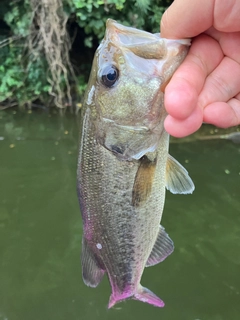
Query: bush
point(35, 42)
point(91, 15)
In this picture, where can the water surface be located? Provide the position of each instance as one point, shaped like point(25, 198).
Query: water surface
point(40, 230)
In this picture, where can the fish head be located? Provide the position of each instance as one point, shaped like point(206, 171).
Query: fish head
point(126, 88)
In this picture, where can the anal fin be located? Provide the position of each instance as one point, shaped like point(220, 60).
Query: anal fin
point(163, 247)
point(92, 273)
point(177, 178)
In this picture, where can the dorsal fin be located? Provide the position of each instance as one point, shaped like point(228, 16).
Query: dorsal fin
point(143, 181)
point(163, 247)
point(177, 178)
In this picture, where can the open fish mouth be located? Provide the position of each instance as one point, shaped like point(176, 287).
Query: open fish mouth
point(135, 128)
point(127, 142)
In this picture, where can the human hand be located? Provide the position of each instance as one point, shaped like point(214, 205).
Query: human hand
point(206, 87)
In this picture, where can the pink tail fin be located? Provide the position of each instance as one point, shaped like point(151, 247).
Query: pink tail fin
point(143, 294)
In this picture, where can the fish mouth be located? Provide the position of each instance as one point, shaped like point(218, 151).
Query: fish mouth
point(125, 141)
point(126, 127)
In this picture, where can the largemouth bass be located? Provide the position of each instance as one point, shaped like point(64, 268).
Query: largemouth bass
point(124, 166)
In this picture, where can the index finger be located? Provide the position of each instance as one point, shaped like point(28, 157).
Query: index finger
point(187, 18)
point(181, 94)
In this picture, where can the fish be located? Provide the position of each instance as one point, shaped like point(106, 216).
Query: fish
point(124, 166)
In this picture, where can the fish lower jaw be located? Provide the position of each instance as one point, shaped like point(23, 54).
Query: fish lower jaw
point(141, 294)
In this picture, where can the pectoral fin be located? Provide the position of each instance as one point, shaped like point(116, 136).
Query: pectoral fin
point(177, 178)
point(92, 273)
point(163, 247)
point(143, 181)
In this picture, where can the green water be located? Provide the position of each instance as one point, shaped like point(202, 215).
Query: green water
point(40, 231)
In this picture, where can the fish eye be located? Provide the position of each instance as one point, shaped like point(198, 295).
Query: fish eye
point(110, 75)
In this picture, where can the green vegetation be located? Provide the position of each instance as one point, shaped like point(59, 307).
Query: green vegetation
point(46, 47)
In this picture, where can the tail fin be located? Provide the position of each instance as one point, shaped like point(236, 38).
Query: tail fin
point(145, 295)
point(142, 294)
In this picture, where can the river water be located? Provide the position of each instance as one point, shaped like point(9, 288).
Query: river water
point(40, 230)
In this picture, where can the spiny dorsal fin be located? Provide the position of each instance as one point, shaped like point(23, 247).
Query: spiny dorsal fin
point(143, 181)
point(91, 272)
point(163, 247)
point(177, 178)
